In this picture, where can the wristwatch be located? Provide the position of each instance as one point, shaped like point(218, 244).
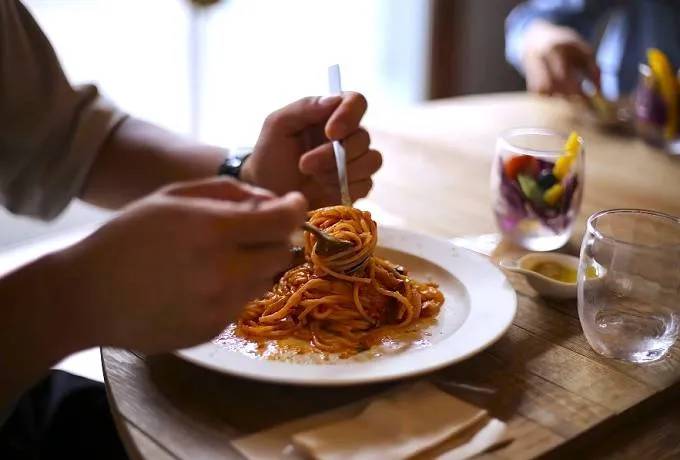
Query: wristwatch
point(234, 161)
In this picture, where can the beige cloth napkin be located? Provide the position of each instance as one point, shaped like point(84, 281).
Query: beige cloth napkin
point(417, 422)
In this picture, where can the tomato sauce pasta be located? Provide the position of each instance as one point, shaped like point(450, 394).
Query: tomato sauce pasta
point(342, 303)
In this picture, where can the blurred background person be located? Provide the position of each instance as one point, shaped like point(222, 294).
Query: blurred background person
point(556, 43)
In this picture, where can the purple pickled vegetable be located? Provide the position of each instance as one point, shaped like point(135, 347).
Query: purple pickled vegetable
point(510, 189)
point(546, 165)
point(552, 220)
point(511, 193)
point(650, 108)
point(570, 185)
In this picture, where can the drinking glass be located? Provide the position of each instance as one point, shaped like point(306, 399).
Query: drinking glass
point(629, 284)
point(536, 187)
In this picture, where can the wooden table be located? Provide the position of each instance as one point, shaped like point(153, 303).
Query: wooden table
point(559, 398)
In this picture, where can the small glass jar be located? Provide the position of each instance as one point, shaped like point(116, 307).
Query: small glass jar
point(536, 187)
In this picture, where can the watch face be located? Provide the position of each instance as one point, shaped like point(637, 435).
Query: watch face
point(234, 162)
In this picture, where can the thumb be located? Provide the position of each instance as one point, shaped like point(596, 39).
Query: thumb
point(587, 63)
point(585, 57)
point(594, 74)
point(302, 113)
point(218, 188)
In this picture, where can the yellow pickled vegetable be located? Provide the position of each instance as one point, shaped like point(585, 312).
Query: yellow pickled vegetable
point(571, 149)
point(573, 144)
point(553, 194)
point(663, 71)
point(563, 165)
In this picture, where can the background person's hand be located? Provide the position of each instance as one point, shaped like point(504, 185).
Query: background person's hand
point(556, 59)
point(175, 267)
point(294, 151)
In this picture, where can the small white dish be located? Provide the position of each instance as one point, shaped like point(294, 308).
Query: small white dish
point(544, 285)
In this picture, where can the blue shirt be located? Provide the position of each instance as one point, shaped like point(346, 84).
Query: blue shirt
point(632, 27)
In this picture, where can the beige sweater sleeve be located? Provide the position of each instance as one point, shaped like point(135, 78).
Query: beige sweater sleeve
point(50, 131)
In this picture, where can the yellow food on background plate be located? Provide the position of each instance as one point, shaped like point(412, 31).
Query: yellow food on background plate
point(662, 70)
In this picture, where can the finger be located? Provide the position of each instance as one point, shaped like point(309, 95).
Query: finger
point(538, 77)
point(358, 170)
point(567, 74)
point(234, 292)
point(322, 158)
point(593, 72)
point(268, 222)
point(364, 167)
point(360, 189)
point(232, 304)
point(559, 70)
point(261, 272)
point(583, 53)
point(302, 113)
point(584, 61)
point(573, 83)
point(260, 262)
point(347, 117)
point(313, 137)
point(218, 188)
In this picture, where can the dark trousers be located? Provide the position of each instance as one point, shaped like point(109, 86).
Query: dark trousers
point(63, 416)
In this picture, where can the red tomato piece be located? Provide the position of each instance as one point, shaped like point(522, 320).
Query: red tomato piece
point(521, 164)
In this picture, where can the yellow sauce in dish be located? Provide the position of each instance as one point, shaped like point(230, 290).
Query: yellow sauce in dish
point(561, 272)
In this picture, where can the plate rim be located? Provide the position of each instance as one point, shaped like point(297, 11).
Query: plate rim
point(510, 309)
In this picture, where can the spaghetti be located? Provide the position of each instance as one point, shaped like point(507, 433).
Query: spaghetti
point(343, 303)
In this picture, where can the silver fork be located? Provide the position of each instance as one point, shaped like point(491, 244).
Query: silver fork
point(335, 88)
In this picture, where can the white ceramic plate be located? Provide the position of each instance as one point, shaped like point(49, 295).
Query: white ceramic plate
point(479, 307)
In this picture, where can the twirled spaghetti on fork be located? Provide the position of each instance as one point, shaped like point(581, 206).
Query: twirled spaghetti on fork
point(329, 303)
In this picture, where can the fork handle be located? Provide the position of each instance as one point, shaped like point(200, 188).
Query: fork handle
point(335, 88)
point(341, 162)
point(314, 230)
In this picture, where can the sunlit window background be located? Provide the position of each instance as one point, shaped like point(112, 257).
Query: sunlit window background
point(253, 56)
point(250, 56)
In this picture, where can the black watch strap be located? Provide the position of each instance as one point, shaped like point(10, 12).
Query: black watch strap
point(233, 163)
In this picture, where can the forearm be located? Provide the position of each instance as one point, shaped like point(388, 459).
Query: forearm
point(139, 157)
point(37, 327)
